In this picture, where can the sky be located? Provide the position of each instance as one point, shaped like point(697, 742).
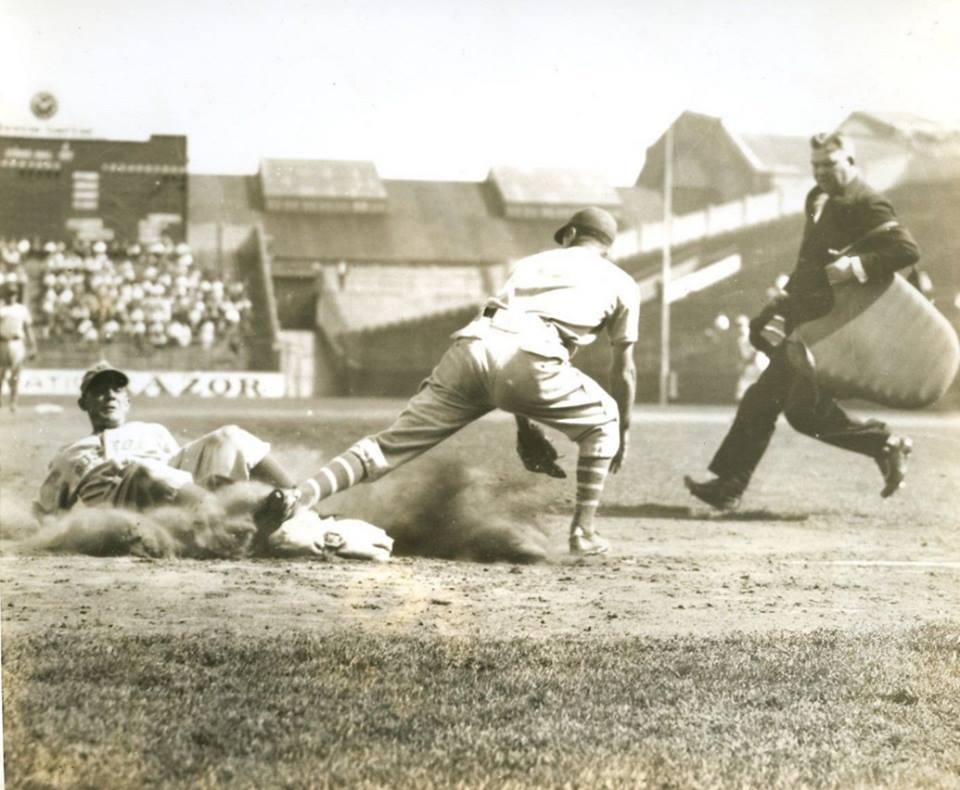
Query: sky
point(441, 89)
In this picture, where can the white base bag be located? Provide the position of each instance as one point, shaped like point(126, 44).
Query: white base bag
point(307, 534)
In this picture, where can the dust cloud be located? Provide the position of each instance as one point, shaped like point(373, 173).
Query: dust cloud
point(219, 528)
point(431, 508)
point(438, 508)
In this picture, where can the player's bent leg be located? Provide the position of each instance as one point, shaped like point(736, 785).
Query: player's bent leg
point(560, 396)
point(228, 452)
point(412, 434)
point(448, 400)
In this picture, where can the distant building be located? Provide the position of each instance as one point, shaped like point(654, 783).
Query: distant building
point(714, 164)
point(899, 148)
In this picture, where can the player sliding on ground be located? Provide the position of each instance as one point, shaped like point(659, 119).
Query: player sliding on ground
point(140, 465)
point(515, 356)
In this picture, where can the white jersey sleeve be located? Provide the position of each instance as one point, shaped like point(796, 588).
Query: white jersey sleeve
point(623, 323)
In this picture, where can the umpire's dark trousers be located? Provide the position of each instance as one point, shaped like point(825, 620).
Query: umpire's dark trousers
point(808, 410)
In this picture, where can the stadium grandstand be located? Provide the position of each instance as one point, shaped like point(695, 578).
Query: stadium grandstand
point(349, 283)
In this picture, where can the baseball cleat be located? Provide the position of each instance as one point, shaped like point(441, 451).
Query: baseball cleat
point(587, 545)
point(277, 507)
point(720, 493)
point(893, 464)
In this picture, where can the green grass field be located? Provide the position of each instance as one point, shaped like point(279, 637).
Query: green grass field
point(822, 709)
point(810, 640)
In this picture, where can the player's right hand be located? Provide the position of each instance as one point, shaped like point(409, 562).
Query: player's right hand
point(620, 458)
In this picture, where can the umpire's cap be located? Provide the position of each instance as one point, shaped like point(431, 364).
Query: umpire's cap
point(102, 369)
point(591, 221)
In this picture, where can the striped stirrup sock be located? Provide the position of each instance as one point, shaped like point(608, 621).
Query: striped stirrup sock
point(591, 477)
point(341, 473)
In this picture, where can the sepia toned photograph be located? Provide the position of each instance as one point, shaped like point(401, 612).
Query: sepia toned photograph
point(504, 395)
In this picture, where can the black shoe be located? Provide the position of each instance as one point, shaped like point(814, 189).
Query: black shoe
point(723, 493)
point(276, 507)
point(893, 464)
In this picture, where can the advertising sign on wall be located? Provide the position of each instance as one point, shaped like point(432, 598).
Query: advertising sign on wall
point(203, 384)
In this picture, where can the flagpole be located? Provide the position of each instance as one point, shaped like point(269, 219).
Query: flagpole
point(665, 268)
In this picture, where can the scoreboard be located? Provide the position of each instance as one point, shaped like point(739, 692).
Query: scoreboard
point(61, 188)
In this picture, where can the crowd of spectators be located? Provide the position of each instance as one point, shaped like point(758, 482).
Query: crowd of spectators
point(152, 295)
point(13, 272)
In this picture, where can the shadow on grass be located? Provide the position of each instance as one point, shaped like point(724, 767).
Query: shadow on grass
point(686, 513)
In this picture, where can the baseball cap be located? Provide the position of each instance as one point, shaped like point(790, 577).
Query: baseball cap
point(103, 368)
point(591, 221)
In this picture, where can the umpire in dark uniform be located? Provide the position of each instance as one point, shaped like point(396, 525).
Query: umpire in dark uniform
point(842, 212)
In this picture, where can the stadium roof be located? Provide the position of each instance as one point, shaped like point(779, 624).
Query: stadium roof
point(543, 192)
point(317, 178)
point(903, 124)
point(430, 222)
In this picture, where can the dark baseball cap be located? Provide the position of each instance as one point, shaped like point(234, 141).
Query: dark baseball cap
point(591, 221)
point(102, 369)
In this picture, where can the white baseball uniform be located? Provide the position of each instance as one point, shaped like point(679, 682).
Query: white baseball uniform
point(93, 469)
point(516, 356)
point(14, 320)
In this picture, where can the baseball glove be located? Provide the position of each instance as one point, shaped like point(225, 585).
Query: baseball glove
point(536, 451)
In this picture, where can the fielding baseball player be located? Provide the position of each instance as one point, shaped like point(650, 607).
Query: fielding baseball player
point(515, 356)
point(17, 342)
point(842, 213)
point(139, 464)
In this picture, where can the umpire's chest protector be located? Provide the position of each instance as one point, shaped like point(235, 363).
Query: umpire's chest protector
point(884, 342)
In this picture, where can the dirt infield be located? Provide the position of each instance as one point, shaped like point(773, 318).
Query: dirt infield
point(808, 640)
point(814, 545)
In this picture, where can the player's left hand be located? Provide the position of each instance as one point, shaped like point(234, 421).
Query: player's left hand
point(536, 451)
